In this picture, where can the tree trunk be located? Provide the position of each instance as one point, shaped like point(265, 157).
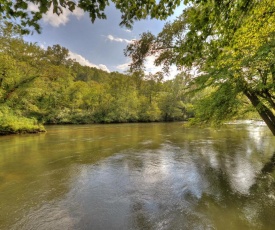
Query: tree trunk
point(265, 113)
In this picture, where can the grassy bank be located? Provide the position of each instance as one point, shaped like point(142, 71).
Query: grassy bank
point(14, 124)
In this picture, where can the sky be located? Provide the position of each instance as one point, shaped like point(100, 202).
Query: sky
point(99, 44)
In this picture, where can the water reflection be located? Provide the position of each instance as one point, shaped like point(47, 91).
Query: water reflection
point(139, 176)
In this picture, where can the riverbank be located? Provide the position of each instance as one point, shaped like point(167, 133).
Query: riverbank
point(17, 125)
point(14, 124)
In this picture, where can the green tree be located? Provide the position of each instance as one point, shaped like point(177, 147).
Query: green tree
point(18, 91)
point(230, 44)
point(173, 102)
point(124, 98)
point(57, 55)
point(19, 69)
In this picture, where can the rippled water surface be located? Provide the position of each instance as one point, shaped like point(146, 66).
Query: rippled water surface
point(138, 176)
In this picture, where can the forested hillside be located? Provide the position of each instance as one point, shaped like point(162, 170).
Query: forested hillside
point(43, 86)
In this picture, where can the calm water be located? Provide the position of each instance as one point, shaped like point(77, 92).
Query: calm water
point(138, 176)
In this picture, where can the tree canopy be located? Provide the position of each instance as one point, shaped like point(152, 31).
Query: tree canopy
point(131, 10)
point(231, 46)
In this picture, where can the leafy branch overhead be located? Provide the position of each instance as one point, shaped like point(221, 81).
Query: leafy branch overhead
point(231, 44)
point(131, 10)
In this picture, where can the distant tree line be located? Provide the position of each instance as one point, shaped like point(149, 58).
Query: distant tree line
point(44, 86)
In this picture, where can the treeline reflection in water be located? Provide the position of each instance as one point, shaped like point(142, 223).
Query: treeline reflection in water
point(138, 176)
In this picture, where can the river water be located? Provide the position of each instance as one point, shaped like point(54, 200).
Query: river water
point(138, 176)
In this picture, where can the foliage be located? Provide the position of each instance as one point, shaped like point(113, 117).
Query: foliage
point(230, 44)
point(131, 10)
point(11, 123)
point(46, 87)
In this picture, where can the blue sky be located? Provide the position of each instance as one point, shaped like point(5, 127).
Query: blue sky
point(99, 44)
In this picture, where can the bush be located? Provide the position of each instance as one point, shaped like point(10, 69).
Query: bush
point(12, 124)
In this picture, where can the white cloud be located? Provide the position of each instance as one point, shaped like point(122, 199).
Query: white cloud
point(124, 66)
point(83, 61)
point(32, 7)
point(150, 65)
point(80, 59)
point(151, 68)
point(103, 67)
point(62, 19)
point(78, 13)
point(116, 39)
point(54, 19)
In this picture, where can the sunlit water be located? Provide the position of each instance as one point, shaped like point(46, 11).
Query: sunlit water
point(138, 176)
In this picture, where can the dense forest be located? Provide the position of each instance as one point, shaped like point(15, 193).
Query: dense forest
point(43, 86)
point(230, 44)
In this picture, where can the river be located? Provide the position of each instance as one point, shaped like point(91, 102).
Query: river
point(138, 176)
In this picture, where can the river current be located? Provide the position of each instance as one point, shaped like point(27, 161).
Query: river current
point(139, 176)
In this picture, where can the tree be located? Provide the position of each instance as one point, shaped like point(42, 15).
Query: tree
point(230, 44)
point(174, 104)
point(131, 10)
point(57, 55)
point(17, 71)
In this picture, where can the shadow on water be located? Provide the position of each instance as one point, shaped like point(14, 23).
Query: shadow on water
point(269, 166)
